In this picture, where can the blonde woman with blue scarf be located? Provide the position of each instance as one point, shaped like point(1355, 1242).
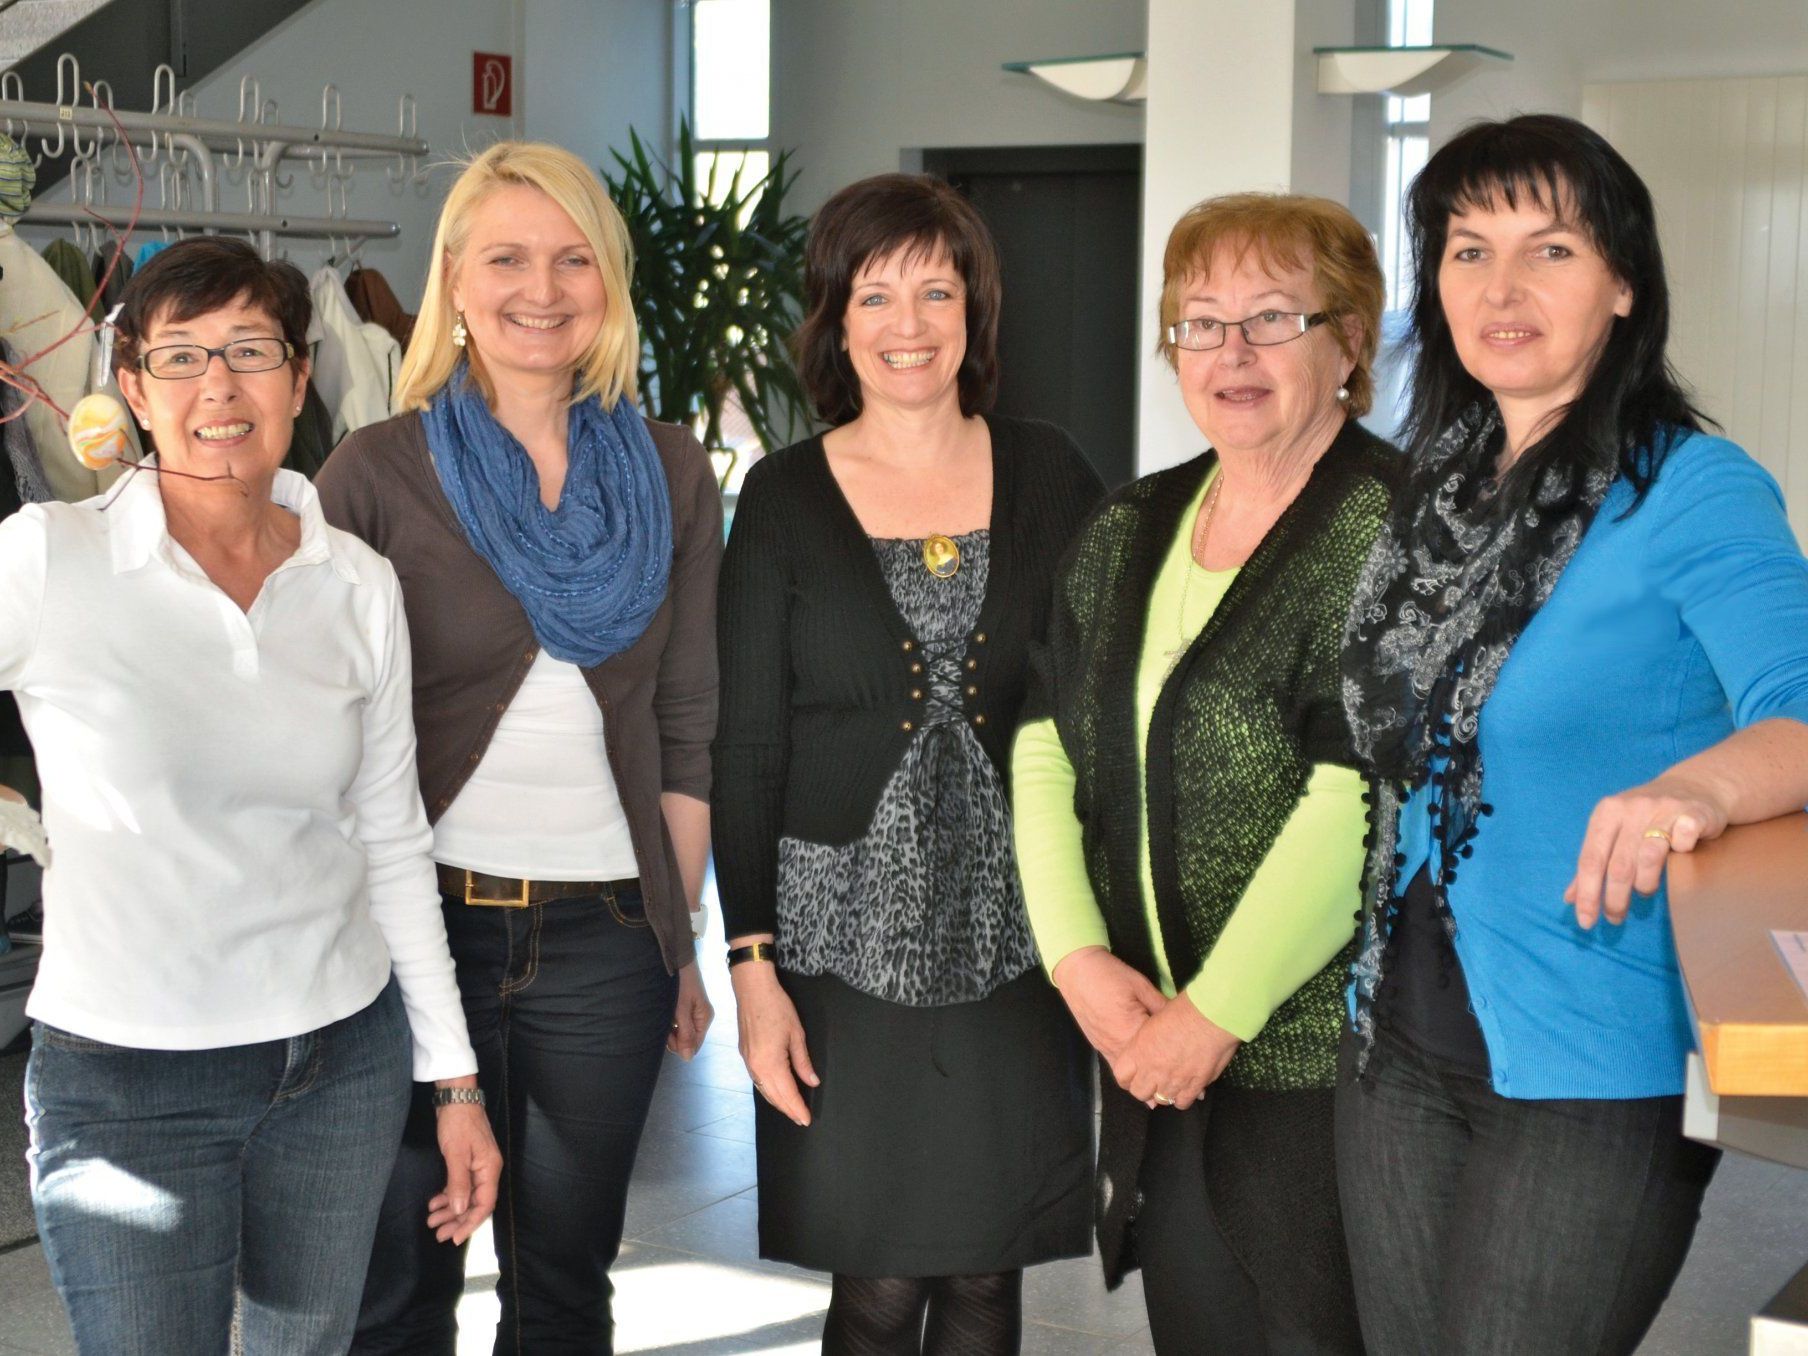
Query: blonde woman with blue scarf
point(558, 558)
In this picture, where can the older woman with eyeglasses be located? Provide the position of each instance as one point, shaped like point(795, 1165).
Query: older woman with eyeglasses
point(1189, 819)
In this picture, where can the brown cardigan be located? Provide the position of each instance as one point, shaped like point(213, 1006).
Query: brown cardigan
point(473, 644)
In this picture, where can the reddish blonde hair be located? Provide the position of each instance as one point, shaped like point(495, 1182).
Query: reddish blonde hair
point(1285, 231)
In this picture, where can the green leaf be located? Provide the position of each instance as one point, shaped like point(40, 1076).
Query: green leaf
point(718, 287)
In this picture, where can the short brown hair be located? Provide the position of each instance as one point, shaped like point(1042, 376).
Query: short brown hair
point(869, 220)
point(1286, 230)
point(202, 274)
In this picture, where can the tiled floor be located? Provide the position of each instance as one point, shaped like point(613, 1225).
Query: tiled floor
point(689, 1283)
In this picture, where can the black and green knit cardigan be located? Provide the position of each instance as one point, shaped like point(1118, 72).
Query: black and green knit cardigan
point(1250, 708)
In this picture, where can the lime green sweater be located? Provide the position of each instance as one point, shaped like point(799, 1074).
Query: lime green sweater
point(1296, 913)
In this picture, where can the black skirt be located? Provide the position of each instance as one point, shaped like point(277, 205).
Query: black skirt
point(944, 1141)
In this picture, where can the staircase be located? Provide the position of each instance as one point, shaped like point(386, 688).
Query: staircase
point(28, 25)
point(123, 42)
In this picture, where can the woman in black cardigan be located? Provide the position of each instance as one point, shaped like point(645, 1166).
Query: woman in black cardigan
point(923, 1123)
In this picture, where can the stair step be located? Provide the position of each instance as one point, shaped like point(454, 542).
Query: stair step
point(29, 25)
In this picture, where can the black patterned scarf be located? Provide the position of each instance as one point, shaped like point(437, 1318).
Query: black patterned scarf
point(1446, 592)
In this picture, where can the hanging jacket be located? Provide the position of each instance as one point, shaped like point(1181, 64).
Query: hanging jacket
point(373, 299)
point(353, 381)
point(114, 288)
point(36, 310)
point(72, 268)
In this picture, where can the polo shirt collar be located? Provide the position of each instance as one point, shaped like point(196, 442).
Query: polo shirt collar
point(139, 531)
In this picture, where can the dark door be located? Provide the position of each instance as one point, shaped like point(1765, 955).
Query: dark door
point(1066, 222)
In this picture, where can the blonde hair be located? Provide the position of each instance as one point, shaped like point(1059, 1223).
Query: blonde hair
point(609, 370)
point(1286, 230)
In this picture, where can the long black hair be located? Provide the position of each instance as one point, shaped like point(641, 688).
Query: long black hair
point(1632, 406)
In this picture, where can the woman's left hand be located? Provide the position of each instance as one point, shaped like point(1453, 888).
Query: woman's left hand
point(473, 1168)
point(1630, 838)
point(690, 1022)
point(1174, 1056)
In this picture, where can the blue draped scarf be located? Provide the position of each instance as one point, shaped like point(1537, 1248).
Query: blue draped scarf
point(590, 573)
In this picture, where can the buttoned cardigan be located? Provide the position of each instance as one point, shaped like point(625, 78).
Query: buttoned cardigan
point(823, 682)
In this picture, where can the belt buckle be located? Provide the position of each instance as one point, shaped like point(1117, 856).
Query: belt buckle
point(471, 895)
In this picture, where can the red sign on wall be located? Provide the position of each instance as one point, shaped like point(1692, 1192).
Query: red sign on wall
point(492, 84)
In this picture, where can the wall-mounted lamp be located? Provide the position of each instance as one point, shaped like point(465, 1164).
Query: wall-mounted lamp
point(1122, 77)
point(1400, 71)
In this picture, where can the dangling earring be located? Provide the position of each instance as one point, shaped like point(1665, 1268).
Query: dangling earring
point(1343, 395)
point(458, 330)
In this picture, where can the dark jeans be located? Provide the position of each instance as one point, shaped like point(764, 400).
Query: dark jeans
point(214, 1200)
point(1485, 1224)
point(1257, 1166)
point(569, 1005)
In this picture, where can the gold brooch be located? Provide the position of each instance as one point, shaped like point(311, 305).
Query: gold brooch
point(941, 557)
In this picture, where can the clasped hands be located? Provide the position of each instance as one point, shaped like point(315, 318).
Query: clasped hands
point(1162, 1051)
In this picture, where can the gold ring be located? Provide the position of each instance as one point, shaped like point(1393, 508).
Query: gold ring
point(1165, 1101)
point(1659, 833)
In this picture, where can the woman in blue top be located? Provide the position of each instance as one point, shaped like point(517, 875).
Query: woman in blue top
point(1582, 646)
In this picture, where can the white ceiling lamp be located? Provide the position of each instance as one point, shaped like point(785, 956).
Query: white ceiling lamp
point(1122, 77)
point(1401, 71)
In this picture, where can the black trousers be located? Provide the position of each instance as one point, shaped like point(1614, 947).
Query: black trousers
point(1499, 1227)
point(1238, 1236)
point(568, 1005)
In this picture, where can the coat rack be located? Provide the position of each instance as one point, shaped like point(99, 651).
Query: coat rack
point(191, 166)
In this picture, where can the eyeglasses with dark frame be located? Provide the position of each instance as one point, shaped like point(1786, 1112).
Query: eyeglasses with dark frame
point(1265, 329)
point(179, 362)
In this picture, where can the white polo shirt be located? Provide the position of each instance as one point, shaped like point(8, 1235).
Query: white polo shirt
point(239, 848)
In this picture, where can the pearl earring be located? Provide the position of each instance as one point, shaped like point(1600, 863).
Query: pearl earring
point(459, 333)
point(1343, 395)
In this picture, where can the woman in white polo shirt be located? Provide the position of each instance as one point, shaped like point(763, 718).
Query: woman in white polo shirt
point(242, 930)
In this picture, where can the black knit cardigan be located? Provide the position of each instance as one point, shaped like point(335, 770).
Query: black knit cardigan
point(1250, 707)
point(822, 683)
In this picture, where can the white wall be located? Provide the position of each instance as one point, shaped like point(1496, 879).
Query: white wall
point(1558, 45)
point(1728, 170)
point(595, 68)
point(858, 86)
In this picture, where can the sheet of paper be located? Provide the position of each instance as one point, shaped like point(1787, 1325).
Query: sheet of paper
point(1794, 946)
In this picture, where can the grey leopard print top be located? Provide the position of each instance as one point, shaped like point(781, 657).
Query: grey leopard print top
point(925, 909)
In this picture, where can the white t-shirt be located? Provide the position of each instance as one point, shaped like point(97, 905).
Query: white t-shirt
point(542, 805)
point(239, 848)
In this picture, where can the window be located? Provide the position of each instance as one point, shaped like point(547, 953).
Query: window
point(1408, 147)
point(731, 103)
point(730, 115)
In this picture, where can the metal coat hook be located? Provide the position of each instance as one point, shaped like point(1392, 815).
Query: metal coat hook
point(185, 152)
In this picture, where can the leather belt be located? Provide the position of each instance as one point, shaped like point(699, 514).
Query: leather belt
point(506, 892)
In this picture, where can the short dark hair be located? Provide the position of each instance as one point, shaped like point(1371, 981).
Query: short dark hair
point(202, 274)
point(869, 220)
point(1631, 403)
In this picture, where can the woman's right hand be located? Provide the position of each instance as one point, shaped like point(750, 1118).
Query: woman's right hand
point(473, 1168)
point(1109, 999)
point(772, 1038)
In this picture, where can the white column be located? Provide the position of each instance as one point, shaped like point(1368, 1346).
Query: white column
point(1232, 107)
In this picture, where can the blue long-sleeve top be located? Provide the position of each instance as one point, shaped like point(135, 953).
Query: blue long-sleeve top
point(1670, 629)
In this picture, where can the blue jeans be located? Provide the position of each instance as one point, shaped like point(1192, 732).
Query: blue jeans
point(568, 1005)
point(1493, 1226)
point(206, 1201)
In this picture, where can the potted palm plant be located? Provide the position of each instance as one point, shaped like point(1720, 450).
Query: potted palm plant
point(718, 288)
